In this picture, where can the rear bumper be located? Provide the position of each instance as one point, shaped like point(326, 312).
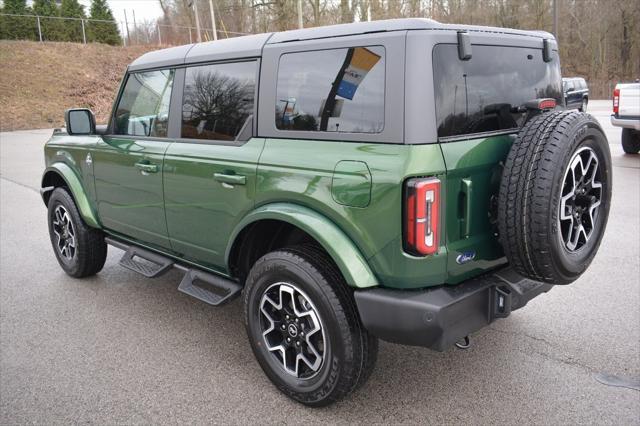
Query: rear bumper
point(629, 123)
point(438, 317)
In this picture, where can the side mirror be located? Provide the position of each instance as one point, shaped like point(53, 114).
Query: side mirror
point(80, 121)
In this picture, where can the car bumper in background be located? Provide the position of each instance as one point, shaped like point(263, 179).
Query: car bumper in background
point(439, 317)
point(629, 123)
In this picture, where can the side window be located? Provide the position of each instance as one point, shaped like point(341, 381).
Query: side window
point(338, 90)
point(217, 100)
point(143, 109)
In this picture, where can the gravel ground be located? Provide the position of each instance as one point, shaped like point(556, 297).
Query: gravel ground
point(118, 348)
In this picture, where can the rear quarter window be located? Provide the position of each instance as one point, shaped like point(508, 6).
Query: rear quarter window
point(481, 94)
point(333, 90)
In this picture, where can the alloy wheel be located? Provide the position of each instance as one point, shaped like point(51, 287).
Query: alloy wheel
point(292, 330)
point(64, 232)
point(580, 200)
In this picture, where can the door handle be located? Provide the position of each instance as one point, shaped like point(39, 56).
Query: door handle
point(467, 190)
point(230, 179)
point(147, 167)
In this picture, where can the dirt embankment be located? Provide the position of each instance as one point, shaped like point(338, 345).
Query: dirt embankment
point(39, 81)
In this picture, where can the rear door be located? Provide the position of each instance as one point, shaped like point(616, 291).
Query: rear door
point(476, 128)
point(128, 162)
point(210, 172)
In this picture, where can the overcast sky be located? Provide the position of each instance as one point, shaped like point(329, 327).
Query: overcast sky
point(144, 9)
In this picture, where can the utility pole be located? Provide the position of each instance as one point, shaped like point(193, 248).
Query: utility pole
point(195, 6)
point(213, 20)
point(555, 18)
point(39, 29)
point(84, 34)
point(300, 25)
point(126, 24)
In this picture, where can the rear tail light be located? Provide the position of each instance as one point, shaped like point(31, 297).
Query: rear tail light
point(547, 104)
point(421, 223)
point(541, 104)
point(616, 100)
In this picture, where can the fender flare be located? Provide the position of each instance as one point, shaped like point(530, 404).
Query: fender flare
point(77, 191)
point(345, 254)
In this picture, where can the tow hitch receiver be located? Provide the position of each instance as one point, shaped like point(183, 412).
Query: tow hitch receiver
point(501, 303)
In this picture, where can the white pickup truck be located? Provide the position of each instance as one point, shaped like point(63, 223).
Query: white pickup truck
point(626, 114)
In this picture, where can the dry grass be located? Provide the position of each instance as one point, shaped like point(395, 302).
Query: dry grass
point(39, 81)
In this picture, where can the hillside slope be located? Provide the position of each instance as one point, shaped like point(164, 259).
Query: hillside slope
point(39, 81)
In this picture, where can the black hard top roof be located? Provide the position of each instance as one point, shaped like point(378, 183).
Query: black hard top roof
point(251, 45)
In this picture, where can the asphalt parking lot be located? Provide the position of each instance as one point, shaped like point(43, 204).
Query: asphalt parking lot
point(118, 348)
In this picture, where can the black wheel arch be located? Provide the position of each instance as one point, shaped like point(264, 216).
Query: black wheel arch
point(51, 180)
point(261, 237)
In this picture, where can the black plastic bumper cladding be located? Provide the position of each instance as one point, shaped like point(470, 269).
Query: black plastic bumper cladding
point(438, 317)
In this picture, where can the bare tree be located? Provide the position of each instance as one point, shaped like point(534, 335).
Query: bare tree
point(598, 39)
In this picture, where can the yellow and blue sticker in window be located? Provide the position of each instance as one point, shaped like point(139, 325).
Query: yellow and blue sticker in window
point(362, 61)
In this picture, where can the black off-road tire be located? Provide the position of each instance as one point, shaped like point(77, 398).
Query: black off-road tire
point(90, 252)
point(630, 141)
point(350, 352)
point(531, 189)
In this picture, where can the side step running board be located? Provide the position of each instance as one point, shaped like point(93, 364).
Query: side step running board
point(151, 266)
point(209, 288)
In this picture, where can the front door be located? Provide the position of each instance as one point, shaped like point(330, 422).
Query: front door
point(128, 163)
point(210, 172)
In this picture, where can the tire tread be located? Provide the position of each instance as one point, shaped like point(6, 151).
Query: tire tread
point(91, 248)
point(360, 348)
point(534, 165)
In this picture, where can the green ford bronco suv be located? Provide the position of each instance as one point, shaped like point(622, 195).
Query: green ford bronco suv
point(404, 180)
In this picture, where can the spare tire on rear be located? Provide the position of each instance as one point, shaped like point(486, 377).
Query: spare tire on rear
point(555, 195)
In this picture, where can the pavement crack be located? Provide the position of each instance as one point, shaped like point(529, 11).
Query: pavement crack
point(537, 339)
point(570, 361)
point(20, 184)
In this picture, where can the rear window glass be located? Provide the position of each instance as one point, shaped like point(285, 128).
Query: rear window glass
point(338, 90)
point(217, 100)
point(482, 94)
